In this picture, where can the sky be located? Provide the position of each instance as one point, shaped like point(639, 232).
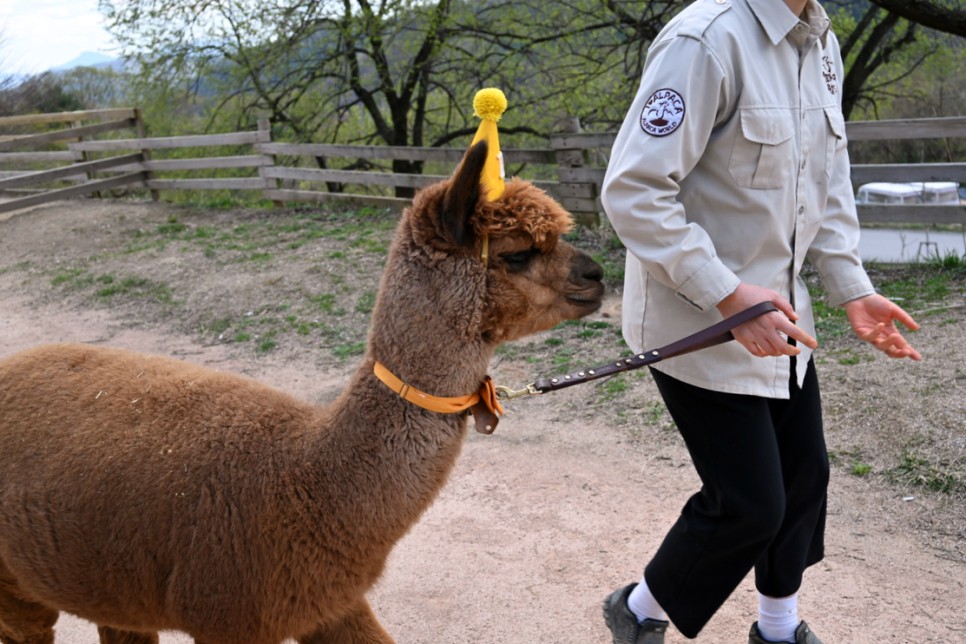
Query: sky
point(36, 35)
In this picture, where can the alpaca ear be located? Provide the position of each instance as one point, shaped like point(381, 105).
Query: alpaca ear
point(462, 195)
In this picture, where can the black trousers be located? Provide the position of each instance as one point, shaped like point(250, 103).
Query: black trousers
point(764, 473)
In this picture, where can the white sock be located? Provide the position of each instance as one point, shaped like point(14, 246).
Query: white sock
point(778, 617)
point(643, 605)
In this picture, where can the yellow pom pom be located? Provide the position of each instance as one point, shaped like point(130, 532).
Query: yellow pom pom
point(489, 104)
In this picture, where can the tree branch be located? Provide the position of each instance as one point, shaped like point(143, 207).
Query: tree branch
point(928, 14)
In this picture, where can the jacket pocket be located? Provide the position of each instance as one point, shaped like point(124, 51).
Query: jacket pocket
point(834, 134)
point(762, 154)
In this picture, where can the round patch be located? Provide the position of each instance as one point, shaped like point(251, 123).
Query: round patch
point(663, 112)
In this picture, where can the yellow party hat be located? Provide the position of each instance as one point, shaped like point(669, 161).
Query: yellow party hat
point(489, 105)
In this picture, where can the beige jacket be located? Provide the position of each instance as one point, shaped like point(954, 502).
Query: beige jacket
point(732, 166)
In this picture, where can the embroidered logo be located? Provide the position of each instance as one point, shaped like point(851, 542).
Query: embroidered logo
point(828, 71)
point(663, 112)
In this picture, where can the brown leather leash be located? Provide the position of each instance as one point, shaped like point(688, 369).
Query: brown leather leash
point(713, 335)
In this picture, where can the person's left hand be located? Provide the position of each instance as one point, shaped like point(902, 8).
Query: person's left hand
point(873, 319)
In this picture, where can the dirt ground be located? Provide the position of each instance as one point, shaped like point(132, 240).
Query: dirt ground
point(565, 502)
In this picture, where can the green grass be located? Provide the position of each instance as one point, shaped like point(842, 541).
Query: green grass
point(950, 261)
point(366, 302)
point(567, 349)
point(920, 471)
point(110, 287)
point(614, 388)
point(346, 351)
point(860, 469)
point(72, 278)
point(132, 286)
point(268, 342)
point(264, 239)
point(326, 303)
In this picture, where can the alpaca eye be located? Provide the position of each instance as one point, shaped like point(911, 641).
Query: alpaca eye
point(519, 260)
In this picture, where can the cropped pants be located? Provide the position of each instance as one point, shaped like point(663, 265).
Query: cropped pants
point(764, 475)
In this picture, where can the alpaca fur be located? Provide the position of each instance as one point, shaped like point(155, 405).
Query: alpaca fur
point(146, 494)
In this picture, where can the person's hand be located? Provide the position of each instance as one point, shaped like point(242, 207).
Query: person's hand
point(766, 335)
point(873, 319)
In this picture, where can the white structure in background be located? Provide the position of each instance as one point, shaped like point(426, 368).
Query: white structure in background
point(910, 245)
point(928, 192)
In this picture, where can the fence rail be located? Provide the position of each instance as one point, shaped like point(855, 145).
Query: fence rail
point(108, 149)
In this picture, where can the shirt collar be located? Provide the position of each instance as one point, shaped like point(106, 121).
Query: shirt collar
point(778, 21)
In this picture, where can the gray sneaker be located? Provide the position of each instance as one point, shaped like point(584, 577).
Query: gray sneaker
point(803, 635)
point(623, 624)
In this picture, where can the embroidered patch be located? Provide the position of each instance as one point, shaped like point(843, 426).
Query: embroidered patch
point(828, 71)
point(663, 112)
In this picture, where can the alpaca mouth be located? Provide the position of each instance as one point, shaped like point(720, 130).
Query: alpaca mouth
point(590, 300)
point(579, 299)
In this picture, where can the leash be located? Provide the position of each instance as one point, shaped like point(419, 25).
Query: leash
point(713, 335)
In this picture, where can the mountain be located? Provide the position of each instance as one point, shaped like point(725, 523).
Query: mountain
point(89, 59)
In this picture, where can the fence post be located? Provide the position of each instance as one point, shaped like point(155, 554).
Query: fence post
point(265, 136)
point(145, 153)
point(579, 194)
point(82, 155)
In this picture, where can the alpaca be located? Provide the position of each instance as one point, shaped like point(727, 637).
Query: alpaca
point(144, 494)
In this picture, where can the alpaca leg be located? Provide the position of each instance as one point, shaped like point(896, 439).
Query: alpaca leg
point(23, 621)
point(358, 627)
point(114, 636)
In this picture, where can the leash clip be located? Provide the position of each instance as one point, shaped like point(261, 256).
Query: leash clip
point(505, 393)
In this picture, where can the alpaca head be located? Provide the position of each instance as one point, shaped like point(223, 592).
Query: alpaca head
point(530, 278)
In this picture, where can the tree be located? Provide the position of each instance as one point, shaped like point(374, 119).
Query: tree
point(38, 93)
point(97, 87)
point(583, 57)
point(315, 67)
point(7, 81)
point(410, 67)
point(403, 72)
point(885, 55)
point(948, 17)
point(869, 44)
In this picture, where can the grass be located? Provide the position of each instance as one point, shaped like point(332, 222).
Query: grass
point(860, 469)
point(853, 460)
point(265, 239)
point(261, 239)
point(132, 286)
point(917, 470)
point(71, 278)
point(110, 287)
point(567, 348)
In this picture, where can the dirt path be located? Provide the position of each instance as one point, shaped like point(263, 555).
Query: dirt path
point(543, 519)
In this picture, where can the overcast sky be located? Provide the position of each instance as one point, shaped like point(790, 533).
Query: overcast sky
point(40, 34)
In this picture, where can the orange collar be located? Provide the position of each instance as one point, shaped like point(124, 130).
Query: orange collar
point(484, 403)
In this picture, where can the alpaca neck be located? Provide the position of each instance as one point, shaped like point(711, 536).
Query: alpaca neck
point(385, 451)
point(426, 326)
point(425, 330)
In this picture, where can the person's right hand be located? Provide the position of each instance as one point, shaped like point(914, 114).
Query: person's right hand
point(873, 318)
point(766, 335)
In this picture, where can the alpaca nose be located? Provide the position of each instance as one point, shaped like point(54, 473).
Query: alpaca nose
point(586, 269)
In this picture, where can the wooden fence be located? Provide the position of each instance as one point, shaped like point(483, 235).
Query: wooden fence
point(94, 152)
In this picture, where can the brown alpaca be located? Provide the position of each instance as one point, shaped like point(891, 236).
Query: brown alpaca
point(146, 494)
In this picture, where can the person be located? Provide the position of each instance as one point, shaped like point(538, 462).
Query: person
point(729, 172)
